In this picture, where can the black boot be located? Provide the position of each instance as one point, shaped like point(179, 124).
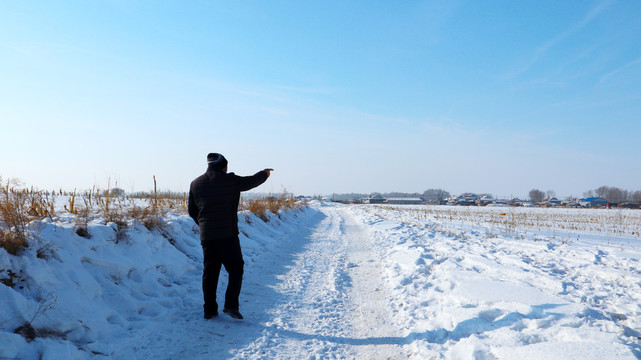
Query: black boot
point(210, 314)
point(210, 311)
point(233, 313)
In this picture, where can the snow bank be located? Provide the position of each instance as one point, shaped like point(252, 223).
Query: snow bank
point(91, 297)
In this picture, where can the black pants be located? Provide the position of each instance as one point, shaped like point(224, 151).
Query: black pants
point(216, 253)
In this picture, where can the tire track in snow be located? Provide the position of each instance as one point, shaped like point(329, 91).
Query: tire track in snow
point(373, 325)
point(308, 321)
point(334, 302)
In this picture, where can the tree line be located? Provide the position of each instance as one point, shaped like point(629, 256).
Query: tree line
point(612, 194)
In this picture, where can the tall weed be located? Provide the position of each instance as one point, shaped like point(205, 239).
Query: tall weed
point(20, 205)
point(270, 204)
point(16, 210)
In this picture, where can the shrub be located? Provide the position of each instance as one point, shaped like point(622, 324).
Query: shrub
point(13, 218)
point(11, 243)
point(257, 207)
point(111, 208)
point(18, 206)
point(273, 204)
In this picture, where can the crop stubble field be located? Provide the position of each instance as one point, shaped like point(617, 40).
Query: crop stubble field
point(565, 224)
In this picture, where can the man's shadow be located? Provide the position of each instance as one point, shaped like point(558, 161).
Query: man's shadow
point(474, 326)
point(263, 273)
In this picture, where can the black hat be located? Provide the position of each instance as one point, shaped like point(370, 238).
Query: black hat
point(216, 160)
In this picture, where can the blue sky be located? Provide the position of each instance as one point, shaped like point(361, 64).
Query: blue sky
point(360, 96)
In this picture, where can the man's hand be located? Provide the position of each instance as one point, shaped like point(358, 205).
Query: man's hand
point(268, 171)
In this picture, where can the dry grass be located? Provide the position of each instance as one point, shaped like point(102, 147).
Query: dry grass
point(17, 207)
point(271, 204)
point(113, 206)
point(258, 207)
point(20, 205)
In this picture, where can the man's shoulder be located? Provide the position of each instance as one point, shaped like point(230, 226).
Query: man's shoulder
point(218, 177)
point(199, 179)
point(228, 175)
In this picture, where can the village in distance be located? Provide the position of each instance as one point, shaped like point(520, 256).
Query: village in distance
point(602, 197)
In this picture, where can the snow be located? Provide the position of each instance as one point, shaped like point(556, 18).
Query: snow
point(332, 281)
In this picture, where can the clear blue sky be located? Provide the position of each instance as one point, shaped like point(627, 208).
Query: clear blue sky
point(337, 96)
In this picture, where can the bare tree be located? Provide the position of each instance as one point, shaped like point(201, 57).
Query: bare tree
point(537, 195)
point(551, 194)
point(602, 191)
point(435, 195)
point(616, 195)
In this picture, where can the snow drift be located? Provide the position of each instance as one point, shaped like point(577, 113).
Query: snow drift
point(74, 297)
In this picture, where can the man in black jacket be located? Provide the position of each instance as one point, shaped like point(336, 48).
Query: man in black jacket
point(213, 204)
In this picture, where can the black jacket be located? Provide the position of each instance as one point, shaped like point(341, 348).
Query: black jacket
point(213, 201)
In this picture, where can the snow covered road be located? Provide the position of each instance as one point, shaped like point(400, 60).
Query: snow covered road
point(332, 302)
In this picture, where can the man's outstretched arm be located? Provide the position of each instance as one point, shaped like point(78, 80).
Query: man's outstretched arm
point(250, 182)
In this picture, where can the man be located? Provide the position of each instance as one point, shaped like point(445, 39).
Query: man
point(213, 204)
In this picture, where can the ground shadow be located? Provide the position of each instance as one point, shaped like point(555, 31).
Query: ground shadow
point(474, 326)
point(258, 297)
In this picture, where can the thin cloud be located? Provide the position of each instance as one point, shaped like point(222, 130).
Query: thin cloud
point(609, 75)
point(544, 48)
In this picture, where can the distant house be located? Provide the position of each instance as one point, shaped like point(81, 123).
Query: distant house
point(463, 199)
point(487, 200)
point(517, 202)
point(470, 199)
point(405, 201)
point(375, 199)
point(573, 203)
point(629, 205)
point(552, 202)
point(593, 202)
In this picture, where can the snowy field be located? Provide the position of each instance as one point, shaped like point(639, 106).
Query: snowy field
point(337, 282)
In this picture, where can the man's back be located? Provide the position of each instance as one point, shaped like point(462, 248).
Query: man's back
point(213, 201)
